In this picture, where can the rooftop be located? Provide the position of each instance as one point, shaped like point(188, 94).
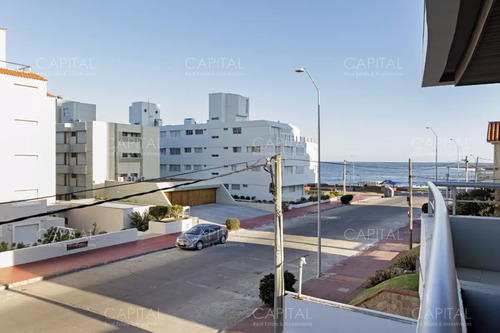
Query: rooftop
point(26, 75)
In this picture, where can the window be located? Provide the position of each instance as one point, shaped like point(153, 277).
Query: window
point(134, 174)
point(175, 134)
point(235, 186)
point(198, 132)
point(215, 155)
point(255, 169)
point(236, 149)
point(163, 168)
point(245, 185)
point(215, 136)
point(197, 167)
point(288, 170)
point(226, 186)
point(198, 150)
point(234, 167)
point(226, 148)
point(163, 134)
point(237, 130)
point(225, 128)
point(187, 167)
point(215, 118)
point(124, 155)
point(175, 151)
point(189, 132)
point(187, 150)
point(288, 150)
point(73, 155)
point(215, 173)
point(124, 175)
point(299, 170)
point(253, 149)
point(300, 151)
point(163, 151)
point(175, 167)
point(73, 175)
point(73, 133)
point(277, 149)
point(135, 155)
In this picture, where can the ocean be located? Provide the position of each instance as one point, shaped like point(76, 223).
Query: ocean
point(371, 172)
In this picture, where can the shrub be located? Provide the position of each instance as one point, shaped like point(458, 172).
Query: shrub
point(346, 199)
point(4, 246)
point(425, 208)
point(54, 234)
point(266, 287)
point(233, 223)
point(140, 221)
point(285, 205)
point(259, 201)
point(21, 245)
point(176, 211)
point(379, 277)
point(160, 212)
point(475, 209)
point(408, 262)
point(325, 197)
point(247, 198)
point(313, 198)
point(103, 232)
point(253, 198)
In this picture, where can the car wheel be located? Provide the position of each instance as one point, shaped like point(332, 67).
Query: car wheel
point(223, 239)
point(199, 245)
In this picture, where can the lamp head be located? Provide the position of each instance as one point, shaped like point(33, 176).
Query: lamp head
point(300, 70)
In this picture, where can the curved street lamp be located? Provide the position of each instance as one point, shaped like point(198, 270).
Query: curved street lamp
point(302, 70)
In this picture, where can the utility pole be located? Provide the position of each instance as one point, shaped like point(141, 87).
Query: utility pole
point(466, 169)
point(344, 176)
point(279, 283)
point(475, 170)
point(410, 204)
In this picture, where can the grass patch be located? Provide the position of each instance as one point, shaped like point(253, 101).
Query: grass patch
point(407, 281)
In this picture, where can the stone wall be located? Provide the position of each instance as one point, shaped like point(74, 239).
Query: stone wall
point(393, 300)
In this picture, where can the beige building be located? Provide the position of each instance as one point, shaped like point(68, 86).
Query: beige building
point(89, 153)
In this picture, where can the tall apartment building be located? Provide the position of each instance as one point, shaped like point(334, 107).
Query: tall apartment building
point(71, 111)
point(230, 137)
point(27, 130)
point(89, 153)
point(145, 114)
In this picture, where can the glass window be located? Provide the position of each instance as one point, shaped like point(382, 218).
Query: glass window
point(175, 167)
point(237, 130)
point(236, 149)
point(198, 132)
point(198, 150)
point(235, 186)
point(197, 167)
point(163, 151)
point(187, 167)
point(288, 170)
point(175, 151)
point(175, 134)
point(189, 132)
point(187, 150)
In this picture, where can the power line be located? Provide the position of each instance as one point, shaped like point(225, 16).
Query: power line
point(62, 210)
point(127, 184)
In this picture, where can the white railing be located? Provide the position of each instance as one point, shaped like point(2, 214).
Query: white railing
point(440, 307)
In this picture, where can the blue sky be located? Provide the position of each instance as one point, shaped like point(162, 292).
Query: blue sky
point(366, 57)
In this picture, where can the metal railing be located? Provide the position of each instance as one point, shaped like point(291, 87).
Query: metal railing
point(454, 189)
point(440, 308)
point(15, 66)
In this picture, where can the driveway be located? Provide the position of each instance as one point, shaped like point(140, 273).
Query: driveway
point(218, 213)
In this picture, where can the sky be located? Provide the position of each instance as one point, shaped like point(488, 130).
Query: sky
point(365, 56)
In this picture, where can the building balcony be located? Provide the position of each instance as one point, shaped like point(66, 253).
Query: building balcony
point(79, 169)
point(79, 148)
point(62, 168)
point(62, 148)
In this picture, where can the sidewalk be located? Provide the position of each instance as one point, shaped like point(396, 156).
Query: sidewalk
point(344, 280)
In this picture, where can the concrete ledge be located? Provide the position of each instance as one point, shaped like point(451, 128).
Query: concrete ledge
point(47, 251)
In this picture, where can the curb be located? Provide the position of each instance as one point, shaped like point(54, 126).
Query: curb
point(77, 269)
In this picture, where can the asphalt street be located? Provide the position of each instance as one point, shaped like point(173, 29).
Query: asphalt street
point(194, 291)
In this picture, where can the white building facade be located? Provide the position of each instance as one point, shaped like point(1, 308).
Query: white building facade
point(27, 130)
point(230, 141)
point(71, 111)
point(145, 114)
point(89, 153)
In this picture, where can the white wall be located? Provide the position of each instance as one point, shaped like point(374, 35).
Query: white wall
point(27, 124)
point(47, 251)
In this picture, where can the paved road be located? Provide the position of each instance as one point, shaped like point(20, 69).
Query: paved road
point(190, 291)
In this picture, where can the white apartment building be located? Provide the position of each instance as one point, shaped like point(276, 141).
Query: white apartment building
point(89, 153)
point(145, 114)
point(192, 150)
point(71, 111)
point(27, 130)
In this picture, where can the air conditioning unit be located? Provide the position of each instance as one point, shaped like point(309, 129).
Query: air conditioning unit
point(129, 178)
point(143, 178)
point(133, 179)
point(121, 179)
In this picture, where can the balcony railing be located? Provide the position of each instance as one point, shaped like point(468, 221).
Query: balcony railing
point(441, 308)
point(15, 66)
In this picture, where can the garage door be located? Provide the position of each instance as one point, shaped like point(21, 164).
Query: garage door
point(192, 198)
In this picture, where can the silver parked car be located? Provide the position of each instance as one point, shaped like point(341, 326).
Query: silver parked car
point(202, 235)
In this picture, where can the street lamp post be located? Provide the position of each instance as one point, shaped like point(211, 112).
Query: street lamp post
point(458, 159)
point(430, 128)
point(301, 70)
